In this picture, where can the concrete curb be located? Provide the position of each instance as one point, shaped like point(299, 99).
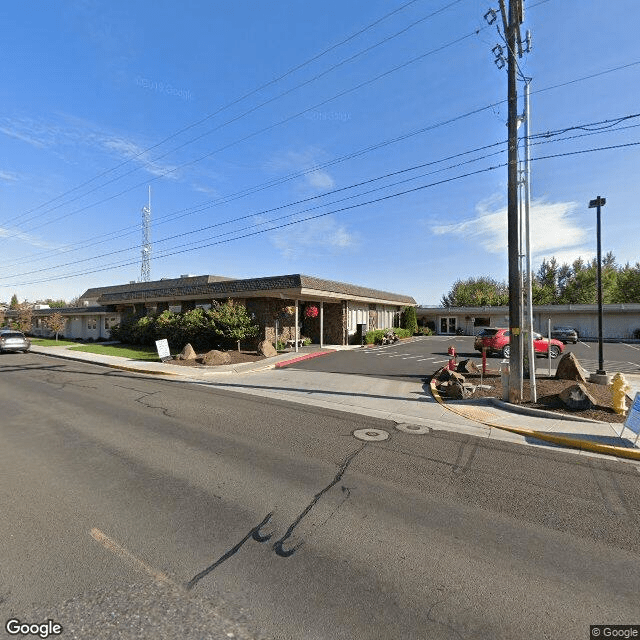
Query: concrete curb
point(109, 365)
point(574, 443)
point(307, 356)
point(540, 413)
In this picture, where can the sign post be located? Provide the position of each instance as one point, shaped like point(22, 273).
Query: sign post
point(163, 350)
point(633, 419)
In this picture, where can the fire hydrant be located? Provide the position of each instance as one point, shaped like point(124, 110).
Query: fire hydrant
point(619, 388)
point(452, 358)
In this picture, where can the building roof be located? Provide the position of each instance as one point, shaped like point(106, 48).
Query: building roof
point(65, 311)
point(539, 308)
point(194, 287)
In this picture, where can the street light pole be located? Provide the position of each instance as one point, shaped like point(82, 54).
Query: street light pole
point(601, 374)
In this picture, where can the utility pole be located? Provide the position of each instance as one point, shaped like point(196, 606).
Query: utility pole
point(145, 270)
point(533, 396)
point(511, 21)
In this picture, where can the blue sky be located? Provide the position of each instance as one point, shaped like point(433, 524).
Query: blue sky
point(230, 114)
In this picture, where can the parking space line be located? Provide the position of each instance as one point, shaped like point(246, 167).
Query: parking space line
point(631, 346)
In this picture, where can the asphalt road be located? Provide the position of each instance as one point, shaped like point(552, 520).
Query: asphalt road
point(420, 357)
point(112, 481)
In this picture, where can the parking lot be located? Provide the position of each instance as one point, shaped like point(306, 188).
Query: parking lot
point(420, 357)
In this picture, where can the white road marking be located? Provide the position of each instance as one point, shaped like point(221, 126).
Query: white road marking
point(630, 346)
point(127, 556)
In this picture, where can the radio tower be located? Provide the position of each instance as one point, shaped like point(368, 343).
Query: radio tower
point(145, 271)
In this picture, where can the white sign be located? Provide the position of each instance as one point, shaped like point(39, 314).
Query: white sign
point(633, 419)
point(163, 349)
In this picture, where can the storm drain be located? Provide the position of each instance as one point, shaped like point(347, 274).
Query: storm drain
point(371, 435)
point(416, 429)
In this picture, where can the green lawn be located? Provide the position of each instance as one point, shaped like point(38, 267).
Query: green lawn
point(50, 342)
point(136, 352)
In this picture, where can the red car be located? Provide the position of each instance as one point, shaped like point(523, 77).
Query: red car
point(497, 341)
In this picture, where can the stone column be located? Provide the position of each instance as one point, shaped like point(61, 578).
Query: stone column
point(296, 336)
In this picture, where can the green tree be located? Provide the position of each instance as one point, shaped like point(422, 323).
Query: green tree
point(410, 320)
point(544, 284)
point(232, 322)
point(14, 302)
point(55, 304)
point(476, 292)
point(627, 288)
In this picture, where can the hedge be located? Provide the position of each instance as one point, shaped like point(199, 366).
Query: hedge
point(221, 326)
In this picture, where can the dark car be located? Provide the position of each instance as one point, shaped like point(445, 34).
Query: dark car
point(496, 340)
point(565, 334)
point(11, 340)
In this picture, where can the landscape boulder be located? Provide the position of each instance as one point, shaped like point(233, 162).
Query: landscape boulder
point(577, 397)
point(266, 349)
point(187, 353)
point(569, 369)
point(215, 357)
point(468, 366)
point(455, 390)
point(444, 375)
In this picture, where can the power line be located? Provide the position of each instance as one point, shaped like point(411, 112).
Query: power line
point(204, 246)
point(592, 129)
point(236, 101)
point(442, 123)
point(346, 208)
point(286, 206)
point(238, 117)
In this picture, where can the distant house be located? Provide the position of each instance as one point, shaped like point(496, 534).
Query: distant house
point(339, 313)
point(620, 321)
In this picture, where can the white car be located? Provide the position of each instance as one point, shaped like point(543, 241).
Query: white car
point(11, 340)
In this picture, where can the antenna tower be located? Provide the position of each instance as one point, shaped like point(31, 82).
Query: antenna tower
point(145, 271)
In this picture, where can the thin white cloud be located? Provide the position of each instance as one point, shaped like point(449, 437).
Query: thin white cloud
point(72, 132)
point(555, 230)
point(307, 160)
point(26, 238)
point(8, 176)
point(313, 237)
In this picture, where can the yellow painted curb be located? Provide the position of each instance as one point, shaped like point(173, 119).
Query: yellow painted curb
point(575, 443)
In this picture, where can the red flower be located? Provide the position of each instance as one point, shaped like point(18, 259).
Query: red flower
point(311, 311)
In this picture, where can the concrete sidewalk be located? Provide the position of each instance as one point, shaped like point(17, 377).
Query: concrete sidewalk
point(402, 402)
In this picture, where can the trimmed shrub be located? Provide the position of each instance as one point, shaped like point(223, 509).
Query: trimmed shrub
point(409, 319)
point(375, 335)
point(221, 326)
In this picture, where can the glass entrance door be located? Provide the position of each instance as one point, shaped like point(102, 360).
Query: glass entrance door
point(448, 325)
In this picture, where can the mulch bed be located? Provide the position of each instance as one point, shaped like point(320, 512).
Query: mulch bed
point(547, 393)
point(237, 357)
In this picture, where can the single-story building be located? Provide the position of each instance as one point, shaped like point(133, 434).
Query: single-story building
point(619, 321)
point(326, 311)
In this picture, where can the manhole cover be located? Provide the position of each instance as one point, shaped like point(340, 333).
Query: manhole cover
point(413, 428)
point(371, 435)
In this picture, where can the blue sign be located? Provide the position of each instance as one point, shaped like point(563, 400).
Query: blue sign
point(633, 419)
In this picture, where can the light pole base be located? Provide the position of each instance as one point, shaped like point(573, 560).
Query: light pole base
point(600, 377)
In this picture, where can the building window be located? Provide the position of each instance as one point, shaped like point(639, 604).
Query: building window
point(110, 322)
point(92, 323)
